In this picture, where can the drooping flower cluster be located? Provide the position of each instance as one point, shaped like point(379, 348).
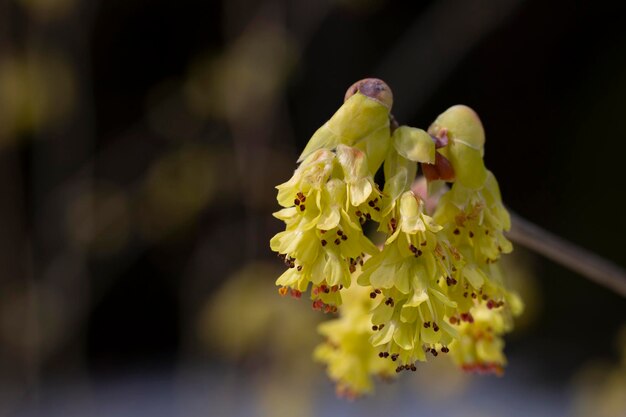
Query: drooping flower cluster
point(434, 286)
point(351, 360)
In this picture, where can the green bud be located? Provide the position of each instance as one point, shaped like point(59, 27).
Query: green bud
point(462, 124)
point(466, 144)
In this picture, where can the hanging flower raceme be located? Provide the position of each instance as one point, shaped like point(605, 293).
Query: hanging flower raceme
point(410, 316)
point(434, 286)
point(329, 197)
point(351, 360)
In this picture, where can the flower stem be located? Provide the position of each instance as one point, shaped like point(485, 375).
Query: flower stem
point(595, 268)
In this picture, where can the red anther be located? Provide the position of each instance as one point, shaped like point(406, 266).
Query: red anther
point(453, 320)
point(296, 293)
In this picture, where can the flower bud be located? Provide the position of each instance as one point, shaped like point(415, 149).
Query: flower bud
point(461, 123)
point(465, 150)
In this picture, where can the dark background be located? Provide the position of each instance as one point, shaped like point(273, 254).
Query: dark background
point(140, 142)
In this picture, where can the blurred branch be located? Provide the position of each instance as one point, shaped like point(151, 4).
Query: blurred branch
point(588, 264)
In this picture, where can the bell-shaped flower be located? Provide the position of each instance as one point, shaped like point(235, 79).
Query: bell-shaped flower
point(351, 360)
point(364, 199)
point(479, 346)
point(322, 245)
point(411, 316)
point(476, 219)
point(308, 180)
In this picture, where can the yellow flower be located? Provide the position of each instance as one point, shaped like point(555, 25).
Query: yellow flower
point(351, 360)
point(479, 345)
point(476, 219)
point(435, 285)
point(410, 317)
point(323, 242)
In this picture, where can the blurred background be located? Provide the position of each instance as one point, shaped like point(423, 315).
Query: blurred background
point(140, 141)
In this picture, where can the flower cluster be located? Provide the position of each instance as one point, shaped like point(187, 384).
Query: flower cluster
point(434, 286)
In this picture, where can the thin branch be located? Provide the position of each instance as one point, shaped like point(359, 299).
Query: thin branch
point(597, 269)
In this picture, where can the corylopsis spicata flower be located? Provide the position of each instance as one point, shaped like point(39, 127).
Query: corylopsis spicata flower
point(434, 285)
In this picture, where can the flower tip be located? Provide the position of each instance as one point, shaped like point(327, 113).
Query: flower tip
point(373, 88)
